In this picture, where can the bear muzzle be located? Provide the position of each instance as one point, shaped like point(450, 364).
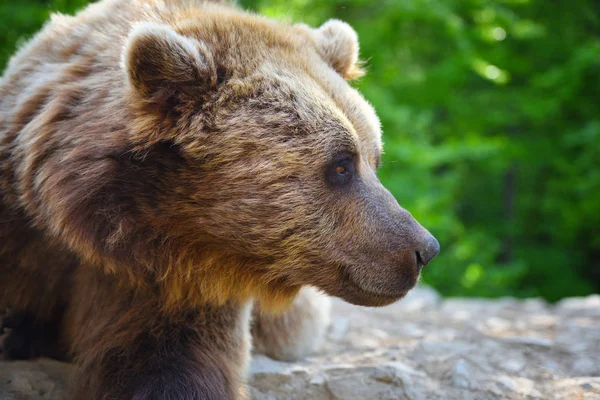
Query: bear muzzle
point(382, 267)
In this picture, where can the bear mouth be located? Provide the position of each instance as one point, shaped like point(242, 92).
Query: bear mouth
point(354, 293)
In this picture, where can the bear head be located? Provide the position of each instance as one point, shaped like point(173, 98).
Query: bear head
point(276, 159)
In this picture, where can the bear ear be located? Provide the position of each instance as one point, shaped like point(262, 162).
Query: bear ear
point(162, 64)
point(338, 44)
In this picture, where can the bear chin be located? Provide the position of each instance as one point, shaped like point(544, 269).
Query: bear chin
point(349, 290)
point(369, 299)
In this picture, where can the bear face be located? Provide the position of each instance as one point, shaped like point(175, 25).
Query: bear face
point(281, 154)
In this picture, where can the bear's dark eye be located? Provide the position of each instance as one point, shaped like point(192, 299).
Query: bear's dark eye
point(340, 172)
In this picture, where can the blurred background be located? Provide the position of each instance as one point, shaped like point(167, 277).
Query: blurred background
point(491, 118)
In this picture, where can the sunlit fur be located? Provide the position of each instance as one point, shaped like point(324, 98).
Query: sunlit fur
point(296, 333)
point(162, 165)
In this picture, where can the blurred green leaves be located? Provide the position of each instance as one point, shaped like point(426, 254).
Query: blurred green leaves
point(491, 117)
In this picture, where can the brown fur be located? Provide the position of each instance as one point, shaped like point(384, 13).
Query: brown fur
point(163, 163)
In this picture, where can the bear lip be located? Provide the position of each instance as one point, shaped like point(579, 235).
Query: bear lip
point(366, 297)
point(401, 292)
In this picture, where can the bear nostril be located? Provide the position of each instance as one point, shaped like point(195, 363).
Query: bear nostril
point(432, 248)
point(420, 262)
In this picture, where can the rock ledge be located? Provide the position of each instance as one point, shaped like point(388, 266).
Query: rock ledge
point(420, 348)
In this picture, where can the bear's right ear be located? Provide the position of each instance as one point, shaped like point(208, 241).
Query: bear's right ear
point(162, 64)
point(338, 44)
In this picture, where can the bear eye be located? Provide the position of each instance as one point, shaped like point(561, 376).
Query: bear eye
point(340, 172)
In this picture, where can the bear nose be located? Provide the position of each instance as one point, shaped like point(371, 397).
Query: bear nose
point(430, 249)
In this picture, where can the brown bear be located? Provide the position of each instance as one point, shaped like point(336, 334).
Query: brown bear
point(165, 164)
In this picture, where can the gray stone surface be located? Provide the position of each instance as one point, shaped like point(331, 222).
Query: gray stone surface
point(420, 348)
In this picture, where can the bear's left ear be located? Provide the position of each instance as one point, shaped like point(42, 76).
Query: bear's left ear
point(162, 64)
point(338, 44)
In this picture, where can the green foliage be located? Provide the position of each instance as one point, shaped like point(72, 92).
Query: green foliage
point(491, 114)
